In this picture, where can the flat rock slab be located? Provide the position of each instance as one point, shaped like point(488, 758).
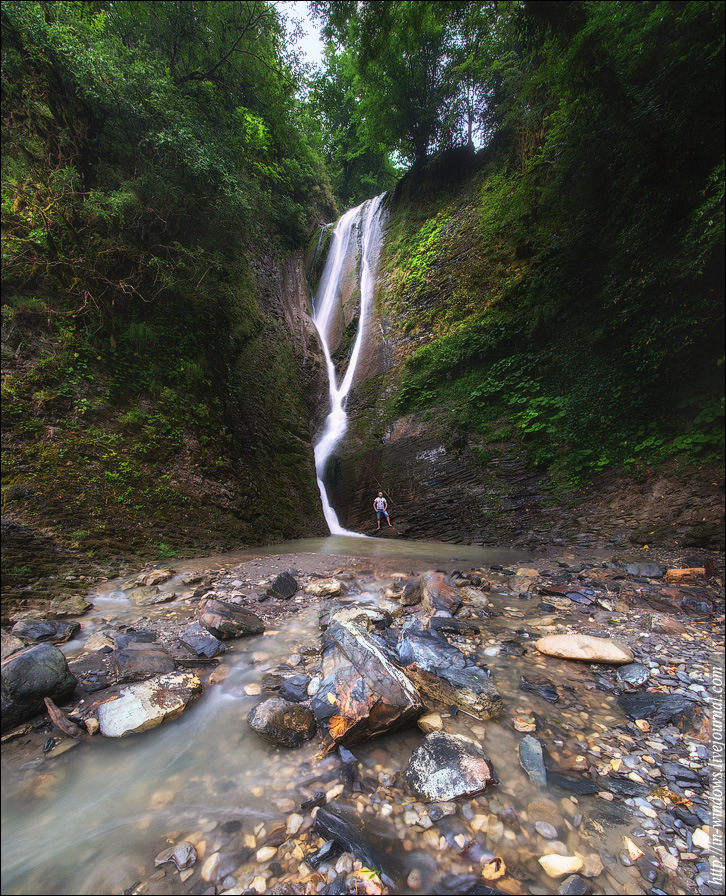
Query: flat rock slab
point(29, 676)
point(37, 630)
point(445, 766)
point(71, 605)
point(282, 722)
point(138, 660)
point(439, 594)
point(362, 693)
point(532, 760)
point(444, 674)
point(226, 621)
point(200, 641)
point(283, 586)
point(150, 595)
point(146, 705)
point(585, 648)
point(658, 708)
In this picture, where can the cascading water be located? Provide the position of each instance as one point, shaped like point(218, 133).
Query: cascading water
point(357, 234)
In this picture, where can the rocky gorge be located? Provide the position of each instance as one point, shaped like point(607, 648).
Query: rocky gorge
point(414, 730)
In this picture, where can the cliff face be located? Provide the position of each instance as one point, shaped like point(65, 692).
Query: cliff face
point(105, 462)
point(448, 475)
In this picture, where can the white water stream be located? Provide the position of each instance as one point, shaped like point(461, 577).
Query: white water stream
point(357, 237)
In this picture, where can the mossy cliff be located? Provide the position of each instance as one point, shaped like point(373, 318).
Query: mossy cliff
point(506, 404)
point(180, 435)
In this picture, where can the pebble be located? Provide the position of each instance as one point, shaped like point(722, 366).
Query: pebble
point(265, 854)
point(558, 866)
point(546, 830)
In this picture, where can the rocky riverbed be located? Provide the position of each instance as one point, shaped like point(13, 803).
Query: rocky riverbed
point(498, 765)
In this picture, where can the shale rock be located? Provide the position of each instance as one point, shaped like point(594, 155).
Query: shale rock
point(532, 761)
point(139, 661)
point(362, 693)
point(226, 621)
point(411, 594)
point(445, 766)
point(70, 605)
point(37, 630)
point(633, 673)
point(30, 675)
point(538, 684)
point(334, 825)
point(281, 722)
point(284, 586)
point(585, 648)
point(200, 641)
point(445, 674)
point(439, 594)
point(658, 708)
point(146, 705)
point(295, 688)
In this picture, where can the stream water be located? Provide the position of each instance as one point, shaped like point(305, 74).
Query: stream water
point(356, 242)
point(92, 819)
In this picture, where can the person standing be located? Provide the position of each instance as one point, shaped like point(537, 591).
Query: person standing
point(380, 505)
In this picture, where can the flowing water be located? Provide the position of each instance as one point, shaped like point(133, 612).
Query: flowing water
point(356, 240)
point(92, 819)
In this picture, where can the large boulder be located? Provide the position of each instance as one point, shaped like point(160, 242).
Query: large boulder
point(143, 706)
point(444, 674)
point(362, 693)
point(439, 594)
point(585, 648)
point(281, 722)
point(445, 766)
point(28, 677)
point(226, 620)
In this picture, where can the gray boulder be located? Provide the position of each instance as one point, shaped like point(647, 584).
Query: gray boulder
point(29, 676)
point(139, 661)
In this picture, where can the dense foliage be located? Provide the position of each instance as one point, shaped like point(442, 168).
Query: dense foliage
point(573, 275)
point(156, 156)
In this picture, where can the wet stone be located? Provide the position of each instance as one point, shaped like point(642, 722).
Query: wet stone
point(633, 673)
point(140, 637)
point(295, 688)
point(283, 586)
point(227, 620)
point(573, 886)
point(538, 684)
point(200, 641)
point(658, 708)
point(183, 855)
point(29, 676)
point(146, 705)
point(444, 674)
point(445, 766)
point(439, 594)
point(38, 630)
point(281, 722)
point(532, 761)
point(138, 661)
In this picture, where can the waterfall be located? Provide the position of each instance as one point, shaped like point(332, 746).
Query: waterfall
point(357, 236)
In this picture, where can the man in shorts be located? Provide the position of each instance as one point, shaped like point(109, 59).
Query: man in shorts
point(380, 505)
